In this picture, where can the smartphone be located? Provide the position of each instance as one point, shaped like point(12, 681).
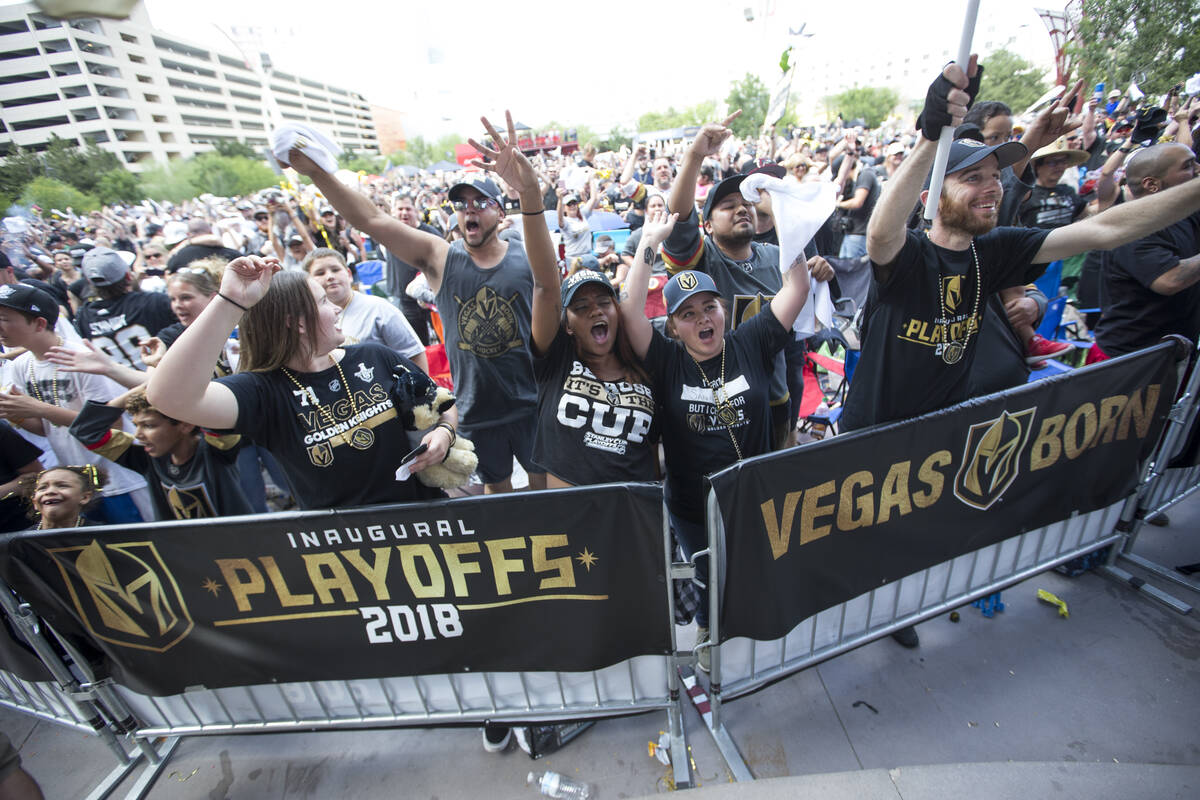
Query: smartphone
point(416, 451)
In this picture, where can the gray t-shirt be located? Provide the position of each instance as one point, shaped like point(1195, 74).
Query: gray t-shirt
point(486, 314)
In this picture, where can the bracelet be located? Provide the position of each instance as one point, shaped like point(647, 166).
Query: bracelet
point(449, 429)
point(533, 213)
point(234, 302)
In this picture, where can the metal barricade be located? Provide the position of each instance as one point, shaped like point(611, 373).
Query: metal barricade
point(635, 685)
point(1163, 487)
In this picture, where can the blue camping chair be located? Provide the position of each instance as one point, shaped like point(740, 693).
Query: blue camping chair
point(369, 272)
point(1050, 281)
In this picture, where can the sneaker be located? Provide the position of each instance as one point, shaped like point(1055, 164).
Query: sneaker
point(703, 657)
point(496, 737)
point(1040, 348)
point(1034, 366)
point(907, 637)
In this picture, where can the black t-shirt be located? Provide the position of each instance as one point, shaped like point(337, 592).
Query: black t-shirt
point(858, 217)
point(695, 436)
point(902, 372)
point(116, 326)
point(335, 453)
point(1136, 316)
point(15, 453)
point(194, 252)
point(1000, 359)
point(589, 430)
point(1055, 207)
point(207, 485)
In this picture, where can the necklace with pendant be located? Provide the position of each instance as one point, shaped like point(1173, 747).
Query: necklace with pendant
point(953, 351)
point(360, 437)
point(725, 412)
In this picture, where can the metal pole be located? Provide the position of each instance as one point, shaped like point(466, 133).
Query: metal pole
point(943, 151)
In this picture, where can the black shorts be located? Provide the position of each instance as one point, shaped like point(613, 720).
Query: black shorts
point(496, 445)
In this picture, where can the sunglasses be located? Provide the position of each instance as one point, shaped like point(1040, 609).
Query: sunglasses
point(479, 204)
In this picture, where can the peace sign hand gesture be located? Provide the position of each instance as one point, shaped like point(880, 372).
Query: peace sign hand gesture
point(507, 160)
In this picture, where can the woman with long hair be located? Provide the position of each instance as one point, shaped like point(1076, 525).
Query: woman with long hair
point(327, 412)
point(595, 400)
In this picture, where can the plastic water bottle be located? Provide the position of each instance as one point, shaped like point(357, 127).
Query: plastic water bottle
point(551, 784)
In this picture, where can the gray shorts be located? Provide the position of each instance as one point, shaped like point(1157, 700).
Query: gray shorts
point(496, 445)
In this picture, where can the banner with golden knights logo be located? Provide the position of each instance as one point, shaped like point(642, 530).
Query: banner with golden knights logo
point(570, 580)
point(815, 526)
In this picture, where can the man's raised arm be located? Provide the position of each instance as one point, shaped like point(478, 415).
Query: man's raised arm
point(424, 251)
point(945, 104)
point(707, 143)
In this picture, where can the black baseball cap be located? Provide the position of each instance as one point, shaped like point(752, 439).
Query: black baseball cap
point(966, 153)
point(684, 285)
point(718, 193)
point(581, 278)
point(30, 300)
point(481, 183)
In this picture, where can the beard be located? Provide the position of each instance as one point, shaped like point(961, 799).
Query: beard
point(958, 216)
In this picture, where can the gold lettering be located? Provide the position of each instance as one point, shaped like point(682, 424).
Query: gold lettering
point(1110, 407)
point(1073, 443)
point(894, 493)
point(410, 554)
point(913, 326)
point(928, 474)
point(563, 565)
point(286, 598)
point(779, 532)
point(241, 589)
point(1141, 413)
point(811, 509)
point(327, 574)
point(376, 574)
point(458, 568)
point(502, 566)
point(847, 520)
point(1046, 447)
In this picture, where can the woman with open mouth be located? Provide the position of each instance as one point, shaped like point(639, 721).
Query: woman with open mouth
point(714, 384)
point(595, 399)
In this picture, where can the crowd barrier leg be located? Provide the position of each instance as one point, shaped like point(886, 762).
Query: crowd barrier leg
point(1149, 500)
point(106, 713)
point(680, 758)
point(716, 584)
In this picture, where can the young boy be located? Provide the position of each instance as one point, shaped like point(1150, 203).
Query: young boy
point(44, 399)
point(192, 474)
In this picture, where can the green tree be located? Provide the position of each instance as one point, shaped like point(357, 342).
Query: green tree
point(50, 193)
point(231, 148)
point(118, 186)
point(751, 96)
point(871, 104)
point(360, 162)
point(1011, 80)
point(229, 176)
point(19, 168)
point(1119, 40)
point(80, 167)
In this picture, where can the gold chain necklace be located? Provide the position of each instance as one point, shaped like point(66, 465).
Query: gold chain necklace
point(361, 437)
point(953, 351)
point(42, 524)
point(36, 390)
point(725, 411)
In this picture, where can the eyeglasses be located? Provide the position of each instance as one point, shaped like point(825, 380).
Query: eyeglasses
point(479, 204)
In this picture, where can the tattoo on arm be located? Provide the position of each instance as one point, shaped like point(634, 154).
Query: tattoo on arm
point(648, 254)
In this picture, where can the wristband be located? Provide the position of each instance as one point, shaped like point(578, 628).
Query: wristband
point(233, 302)
point(449, 429)
point(533, 213)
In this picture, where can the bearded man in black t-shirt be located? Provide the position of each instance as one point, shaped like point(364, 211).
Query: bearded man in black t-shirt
point(926, 307)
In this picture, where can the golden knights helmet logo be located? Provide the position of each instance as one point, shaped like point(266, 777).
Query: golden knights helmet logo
point(124, 594)
point(687, 281)
point(952, 292)
point(992, 458)
point(487, 323)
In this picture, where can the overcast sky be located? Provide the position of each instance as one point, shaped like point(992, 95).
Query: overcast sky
point(600, 63)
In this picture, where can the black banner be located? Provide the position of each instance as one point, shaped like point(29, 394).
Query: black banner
point(565, 580)
point(815, 526)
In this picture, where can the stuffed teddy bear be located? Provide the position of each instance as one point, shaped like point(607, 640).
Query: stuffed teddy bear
point(421, 403)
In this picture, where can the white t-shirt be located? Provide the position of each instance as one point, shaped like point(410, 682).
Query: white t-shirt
point(71, 390)
point(372, 319)
point(577, 237)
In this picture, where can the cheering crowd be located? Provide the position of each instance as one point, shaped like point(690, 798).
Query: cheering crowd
point(231, 356)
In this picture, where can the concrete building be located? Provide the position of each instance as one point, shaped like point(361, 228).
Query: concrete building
point(151, 96)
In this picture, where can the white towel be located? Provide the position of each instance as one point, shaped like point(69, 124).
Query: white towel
point(308, 140)
point(800, 209)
